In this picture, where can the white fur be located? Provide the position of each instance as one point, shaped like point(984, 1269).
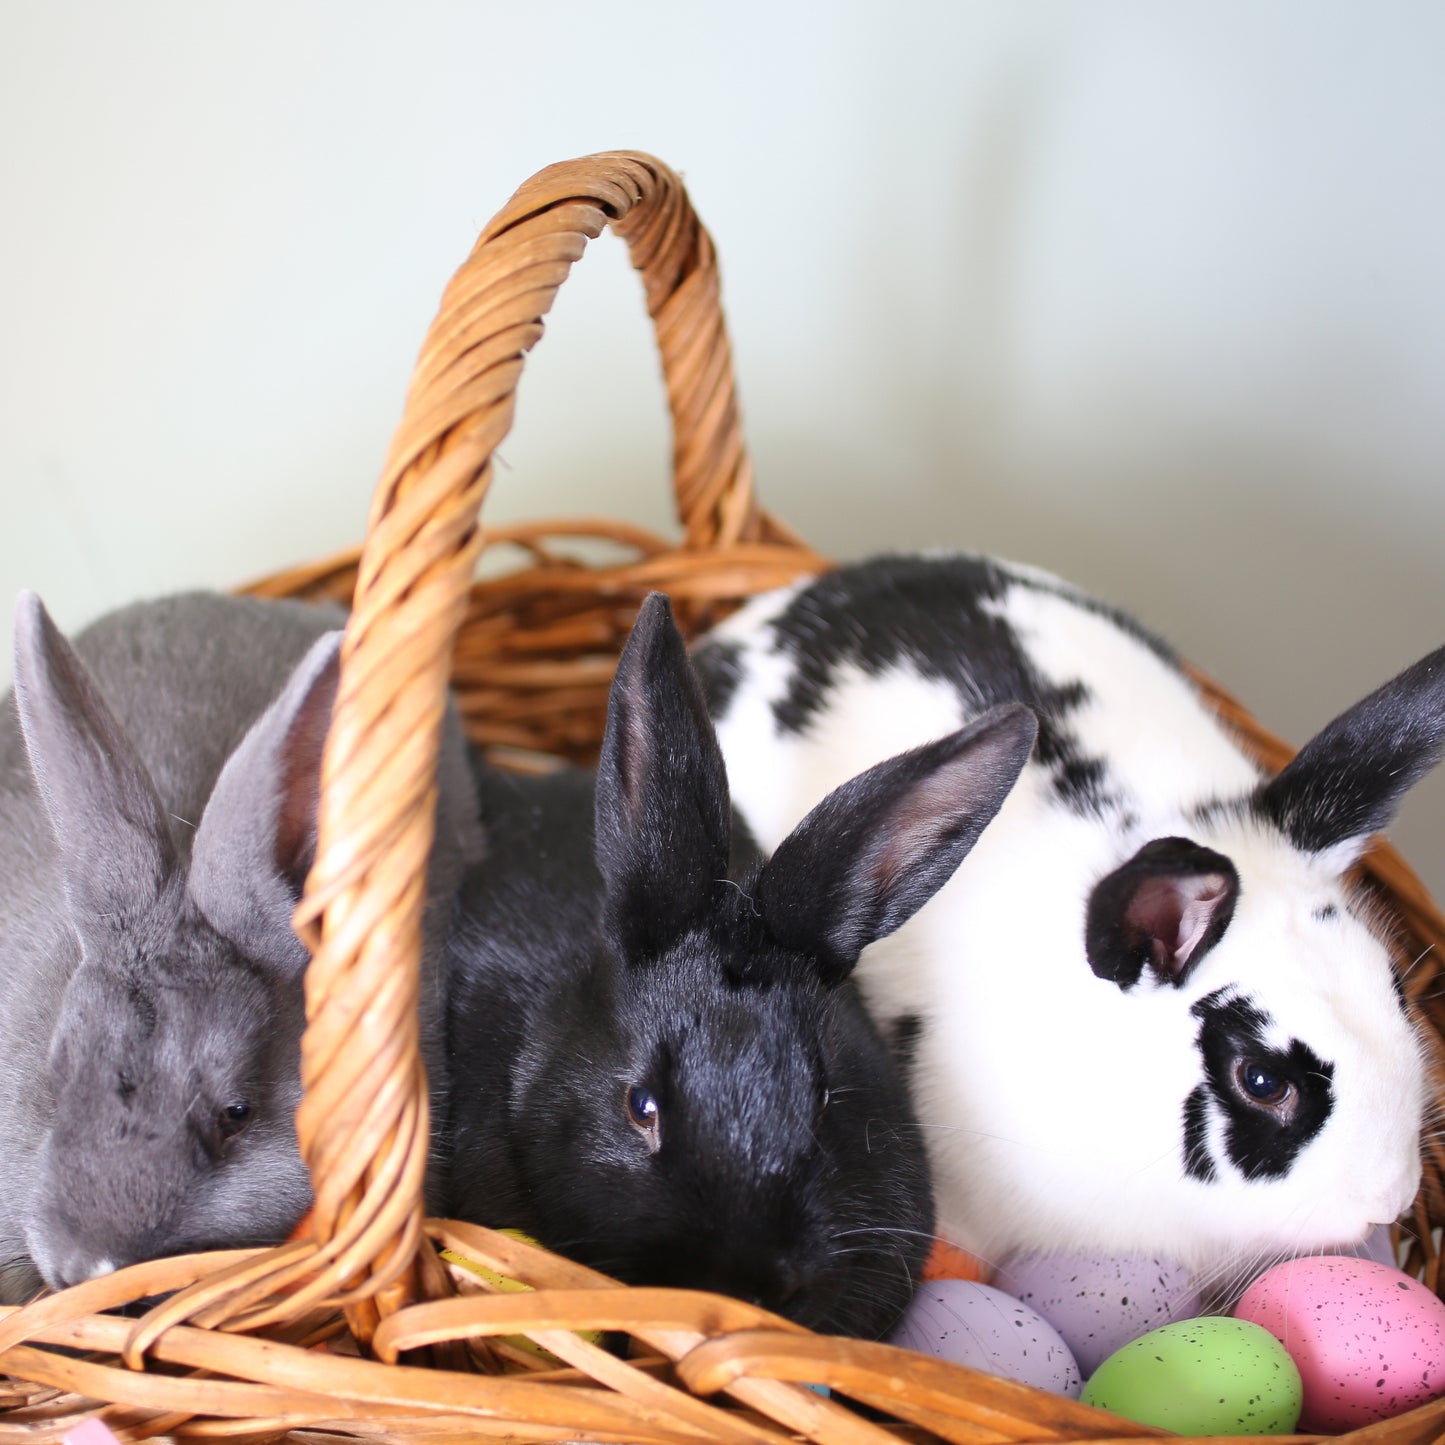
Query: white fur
point(1053, 1101)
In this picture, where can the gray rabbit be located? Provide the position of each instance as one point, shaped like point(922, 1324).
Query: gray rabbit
point(158, 791)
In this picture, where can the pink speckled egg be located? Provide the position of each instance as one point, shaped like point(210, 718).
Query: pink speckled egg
point(976, 1325)
point(1099, 1302)
point(1369, 1340)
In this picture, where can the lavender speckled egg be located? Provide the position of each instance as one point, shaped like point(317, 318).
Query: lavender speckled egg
point(1099, 1303)
point(1369, 1340)
point(976, 1325)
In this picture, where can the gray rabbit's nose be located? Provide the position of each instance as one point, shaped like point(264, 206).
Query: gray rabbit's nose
point(75, 1267)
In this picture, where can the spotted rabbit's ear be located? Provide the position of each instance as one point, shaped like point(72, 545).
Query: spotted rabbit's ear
point(257, 837)
point(116, 851)
point(663, 815)
point(1347, 781)
point(874, 851)
point(1162, 910)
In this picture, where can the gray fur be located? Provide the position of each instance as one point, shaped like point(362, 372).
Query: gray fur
point(158, 786)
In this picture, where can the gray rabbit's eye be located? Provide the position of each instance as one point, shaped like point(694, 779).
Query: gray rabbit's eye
point(643, 1114)
point(233, 1118)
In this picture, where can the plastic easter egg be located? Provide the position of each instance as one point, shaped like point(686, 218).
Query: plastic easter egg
point(976, 1325)
point(1100, 1302)
point(1202, 1377)
point(1369, 1340)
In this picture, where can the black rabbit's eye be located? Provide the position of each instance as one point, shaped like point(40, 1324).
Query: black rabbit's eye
point(234, 1117)
point(642, 1112)
point(1261, 1083)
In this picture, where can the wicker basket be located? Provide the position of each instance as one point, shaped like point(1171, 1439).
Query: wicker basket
point(308, 1337)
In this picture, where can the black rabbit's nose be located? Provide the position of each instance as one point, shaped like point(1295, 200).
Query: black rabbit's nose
point(778, 1290)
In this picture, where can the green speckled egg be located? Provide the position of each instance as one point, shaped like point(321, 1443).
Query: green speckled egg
point(1202, 1377)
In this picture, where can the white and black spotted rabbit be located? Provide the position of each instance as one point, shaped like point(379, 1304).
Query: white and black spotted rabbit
point(1149, 1013)
point(666, 1073)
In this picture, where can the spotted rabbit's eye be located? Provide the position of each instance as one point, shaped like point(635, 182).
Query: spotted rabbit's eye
point(233, 1118)
point(1261, 1084)
point(643, 1115)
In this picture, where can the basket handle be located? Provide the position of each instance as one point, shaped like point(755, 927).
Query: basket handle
point(363, 1123)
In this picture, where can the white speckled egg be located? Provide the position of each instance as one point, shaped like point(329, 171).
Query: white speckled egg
point(1369, 1340)
point(1100, 1302)
point(976, 1325)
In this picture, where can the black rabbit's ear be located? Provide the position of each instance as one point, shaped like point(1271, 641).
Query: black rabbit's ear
point(1163, 910)
point(1347, 781)
point(115, 843)
point(662, 795)
point(874, 851)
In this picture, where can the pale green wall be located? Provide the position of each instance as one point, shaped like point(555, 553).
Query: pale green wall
point(1150, 294)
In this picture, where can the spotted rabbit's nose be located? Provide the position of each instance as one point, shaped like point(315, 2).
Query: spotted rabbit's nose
point(1394, 1200)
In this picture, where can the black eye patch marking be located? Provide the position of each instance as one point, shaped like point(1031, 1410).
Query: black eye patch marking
point(1325, 914)
point(1197, 1163)
point(1274, 1101)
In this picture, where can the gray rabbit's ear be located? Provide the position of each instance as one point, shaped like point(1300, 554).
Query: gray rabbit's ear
point(115, 843)
point(257, 837)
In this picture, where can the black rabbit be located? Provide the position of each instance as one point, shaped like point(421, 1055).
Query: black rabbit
point(668, 1074)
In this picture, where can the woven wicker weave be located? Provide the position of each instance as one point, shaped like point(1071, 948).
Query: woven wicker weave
point(306, 1338)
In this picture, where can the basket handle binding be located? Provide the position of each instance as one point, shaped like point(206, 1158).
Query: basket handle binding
point(363, 1123)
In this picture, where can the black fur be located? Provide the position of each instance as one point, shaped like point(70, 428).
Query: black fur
point(903, 1039)
point(930, 612)
point(1197, 1161)
point(1347, 781)
point(782, 1161)
point(720, 675)
point(1262, 1142)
